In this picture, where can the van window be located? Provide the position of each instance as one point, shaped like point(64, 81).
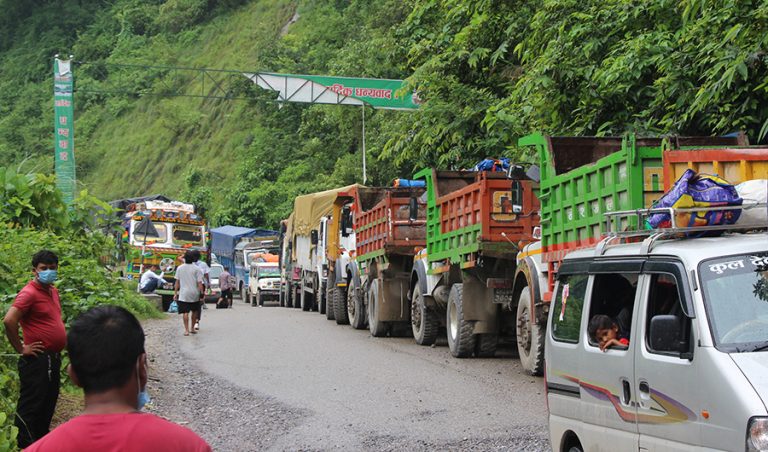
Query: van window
point(613, 294)
point(664, 299)
point(567, 306)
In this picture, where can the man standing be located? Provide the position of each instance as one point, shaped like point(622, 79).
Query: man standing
point(187, 291)
point(225, 285)
point(206, 284)
point(38, 311)
point(150, 281)
point(107, 359)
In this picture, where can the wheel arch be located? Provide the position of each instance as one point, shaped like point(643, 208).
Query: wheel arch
point(418, 276)
point(570, 439)
point(527, 276)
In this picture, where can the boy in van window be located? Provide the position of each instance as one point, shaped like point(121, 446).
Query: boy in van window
point(605, 331)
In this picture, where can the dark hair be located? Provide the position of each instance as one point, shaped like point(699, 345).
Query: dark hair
point(189, 258)
point(44, 257)
point(599, 322)
point(104, 344)
point(195, 255)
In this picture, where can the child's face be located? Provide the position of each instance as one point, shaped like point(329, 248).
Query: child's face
point(603, 335)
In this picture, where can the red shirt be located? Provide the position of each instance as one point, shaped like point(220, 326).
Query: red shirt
point(124, 432)
point(41, 316)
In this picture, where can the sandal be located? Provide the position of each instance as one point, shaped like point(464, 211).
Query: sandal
point(186, 333)
point(193, 332)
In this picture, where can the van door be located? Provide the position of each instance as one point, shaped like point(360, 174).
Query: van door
point(608, 399)
point(666, 371)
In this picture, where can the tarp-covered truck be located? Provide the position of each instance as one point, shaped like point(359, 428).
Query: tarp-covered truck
point(389, 229)
point(462, 280)
point(305, 271)
point(581, 179)
point(233, 244)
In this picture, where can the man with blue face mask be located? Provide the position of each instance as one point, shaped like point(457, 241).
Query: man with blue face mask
point(37, 311)
point(107, 359)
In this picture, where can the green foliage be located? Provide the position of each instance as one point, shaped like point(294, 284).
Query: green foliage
point(34, 217)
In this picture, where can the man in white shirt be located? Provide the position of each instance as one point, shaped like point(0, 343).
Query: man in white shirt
point(188, 290)
point(151, 281)
point(206, 283)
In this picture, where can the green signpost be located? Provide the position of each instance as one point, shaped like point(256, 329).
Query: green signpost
point(64, 116)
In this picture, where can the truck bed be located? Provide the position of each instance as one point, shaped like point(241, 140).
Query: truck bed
point(469, 211)
point(735, 165)
point(382, 224)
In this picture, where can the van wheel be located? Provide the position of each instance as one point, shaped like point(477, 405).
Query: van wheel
point(378, 329)
point(340, 306)
point(329, 295)
point(575, 449)
point(485, 345)
point(424, 322)
point(355, 309)
point(530, 337)
point(461, 341)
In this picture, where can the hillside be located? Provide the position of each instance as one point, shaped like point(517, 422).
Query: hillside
point(488, 72)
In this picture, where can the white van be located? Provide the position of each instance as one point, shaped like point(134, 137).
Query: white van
point(694, 375)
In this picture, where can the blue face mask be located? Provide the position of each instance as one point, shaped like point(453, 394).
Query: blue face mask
point(47, 276)
point(142, 400)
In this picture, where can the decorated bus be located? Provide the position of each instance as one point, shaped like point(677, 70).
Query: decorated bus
point(177, 228)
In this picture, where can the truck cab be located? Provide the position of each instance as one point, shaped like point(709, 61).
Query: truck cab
point(264, 283)
point(692, 375)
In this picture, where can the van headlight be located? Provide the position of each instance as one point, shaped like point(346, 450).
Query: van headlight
point(757, 434)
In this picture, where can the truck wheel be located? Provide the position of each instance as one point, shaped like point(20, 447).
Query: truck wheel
point(320, 297)
point(378, 329)
point(329, 295)
point(424, 322)
point(306, 302)
point(355, 308)
point(461, 341)
point(530, 337)
point(485, 345)
point(340, 306)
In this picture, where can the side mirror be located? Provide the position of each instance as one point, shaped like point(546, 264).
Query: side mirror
point(346, 221)
point(517, 196)
point(313, 237)
point(665, 334)
point(413, 209)
point(533, 173)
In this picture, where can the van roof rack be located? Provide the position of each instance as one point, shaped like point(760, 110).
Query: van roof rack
point(630, 224)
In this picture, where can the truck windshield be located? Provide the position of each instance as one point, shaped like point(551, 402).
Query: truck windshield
point(187, 234)
point(162, 232)
point(215, 271)
point(736, 299)
point(269, 271)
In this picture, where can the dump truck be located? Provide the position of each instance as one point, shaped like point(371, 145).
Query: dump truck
point(582, 178)
point(389, 227)
point(476, 223)
point(305, 239)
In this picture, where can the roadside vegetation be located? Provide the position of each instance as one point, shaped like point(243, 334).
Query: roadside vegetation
point(33, 217)
point(487, 71)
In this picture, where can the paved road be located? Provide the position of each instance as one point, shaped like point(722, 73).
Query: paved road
point(361, 392)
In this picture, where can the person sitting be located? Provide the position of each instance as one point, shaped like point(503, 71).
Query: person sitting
point(605, 331)
point(150, 280)
point(107, 359)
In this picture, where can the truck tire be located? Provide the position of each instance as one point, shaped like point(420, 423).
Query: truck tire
point(355, 307)
point(424, 322)
point(530, 337)
point(340, 306)
point(485, 345)
point(306, 299)
point(329, 295)
point(320, 297)
point(377, 328)
point(461, 339)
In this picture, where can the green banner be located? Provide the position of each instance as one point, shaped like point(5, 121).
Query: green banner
point(64, 115)
point(321, 89)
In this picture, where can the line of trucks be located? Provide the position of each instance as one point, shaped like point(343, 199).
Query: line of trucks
point(473, 255)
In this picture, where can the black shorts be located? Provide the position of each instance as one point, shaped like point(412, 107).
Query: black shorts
point(226, 294)
point(185, 307)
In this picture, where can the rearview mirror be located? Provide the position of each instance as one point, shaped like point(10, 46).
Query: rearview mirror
point(346, 221)
point(517, 196)
point(665, 334)
point(413, 209)
point(313, 237)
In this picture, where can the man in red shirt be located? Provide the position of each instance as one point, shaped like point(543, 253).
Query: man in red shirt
point(38, 311)
point(107, 359)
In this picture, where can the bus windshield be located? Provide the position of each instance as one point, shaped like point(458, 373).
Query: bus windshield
point(184, 234)
point(736, 300)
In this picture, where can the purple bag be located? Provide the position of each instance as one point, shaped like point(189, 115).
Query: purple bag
point(698, 191)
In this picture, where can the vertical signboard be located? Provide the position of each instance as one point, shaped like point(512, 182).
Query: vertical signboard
point(64, 142)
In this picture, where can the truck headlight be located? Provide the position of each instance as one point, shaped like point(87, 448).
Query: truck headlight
point(757, 434)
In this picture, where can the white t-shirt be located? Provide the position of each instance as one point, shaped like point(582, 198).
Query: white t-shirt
point(148, 276)
point(205, 269)
point(188, 276)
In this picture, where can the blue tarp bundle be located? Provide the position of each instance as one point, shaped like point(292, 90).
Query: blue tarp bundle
point(490, 164)
point(224, 238)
